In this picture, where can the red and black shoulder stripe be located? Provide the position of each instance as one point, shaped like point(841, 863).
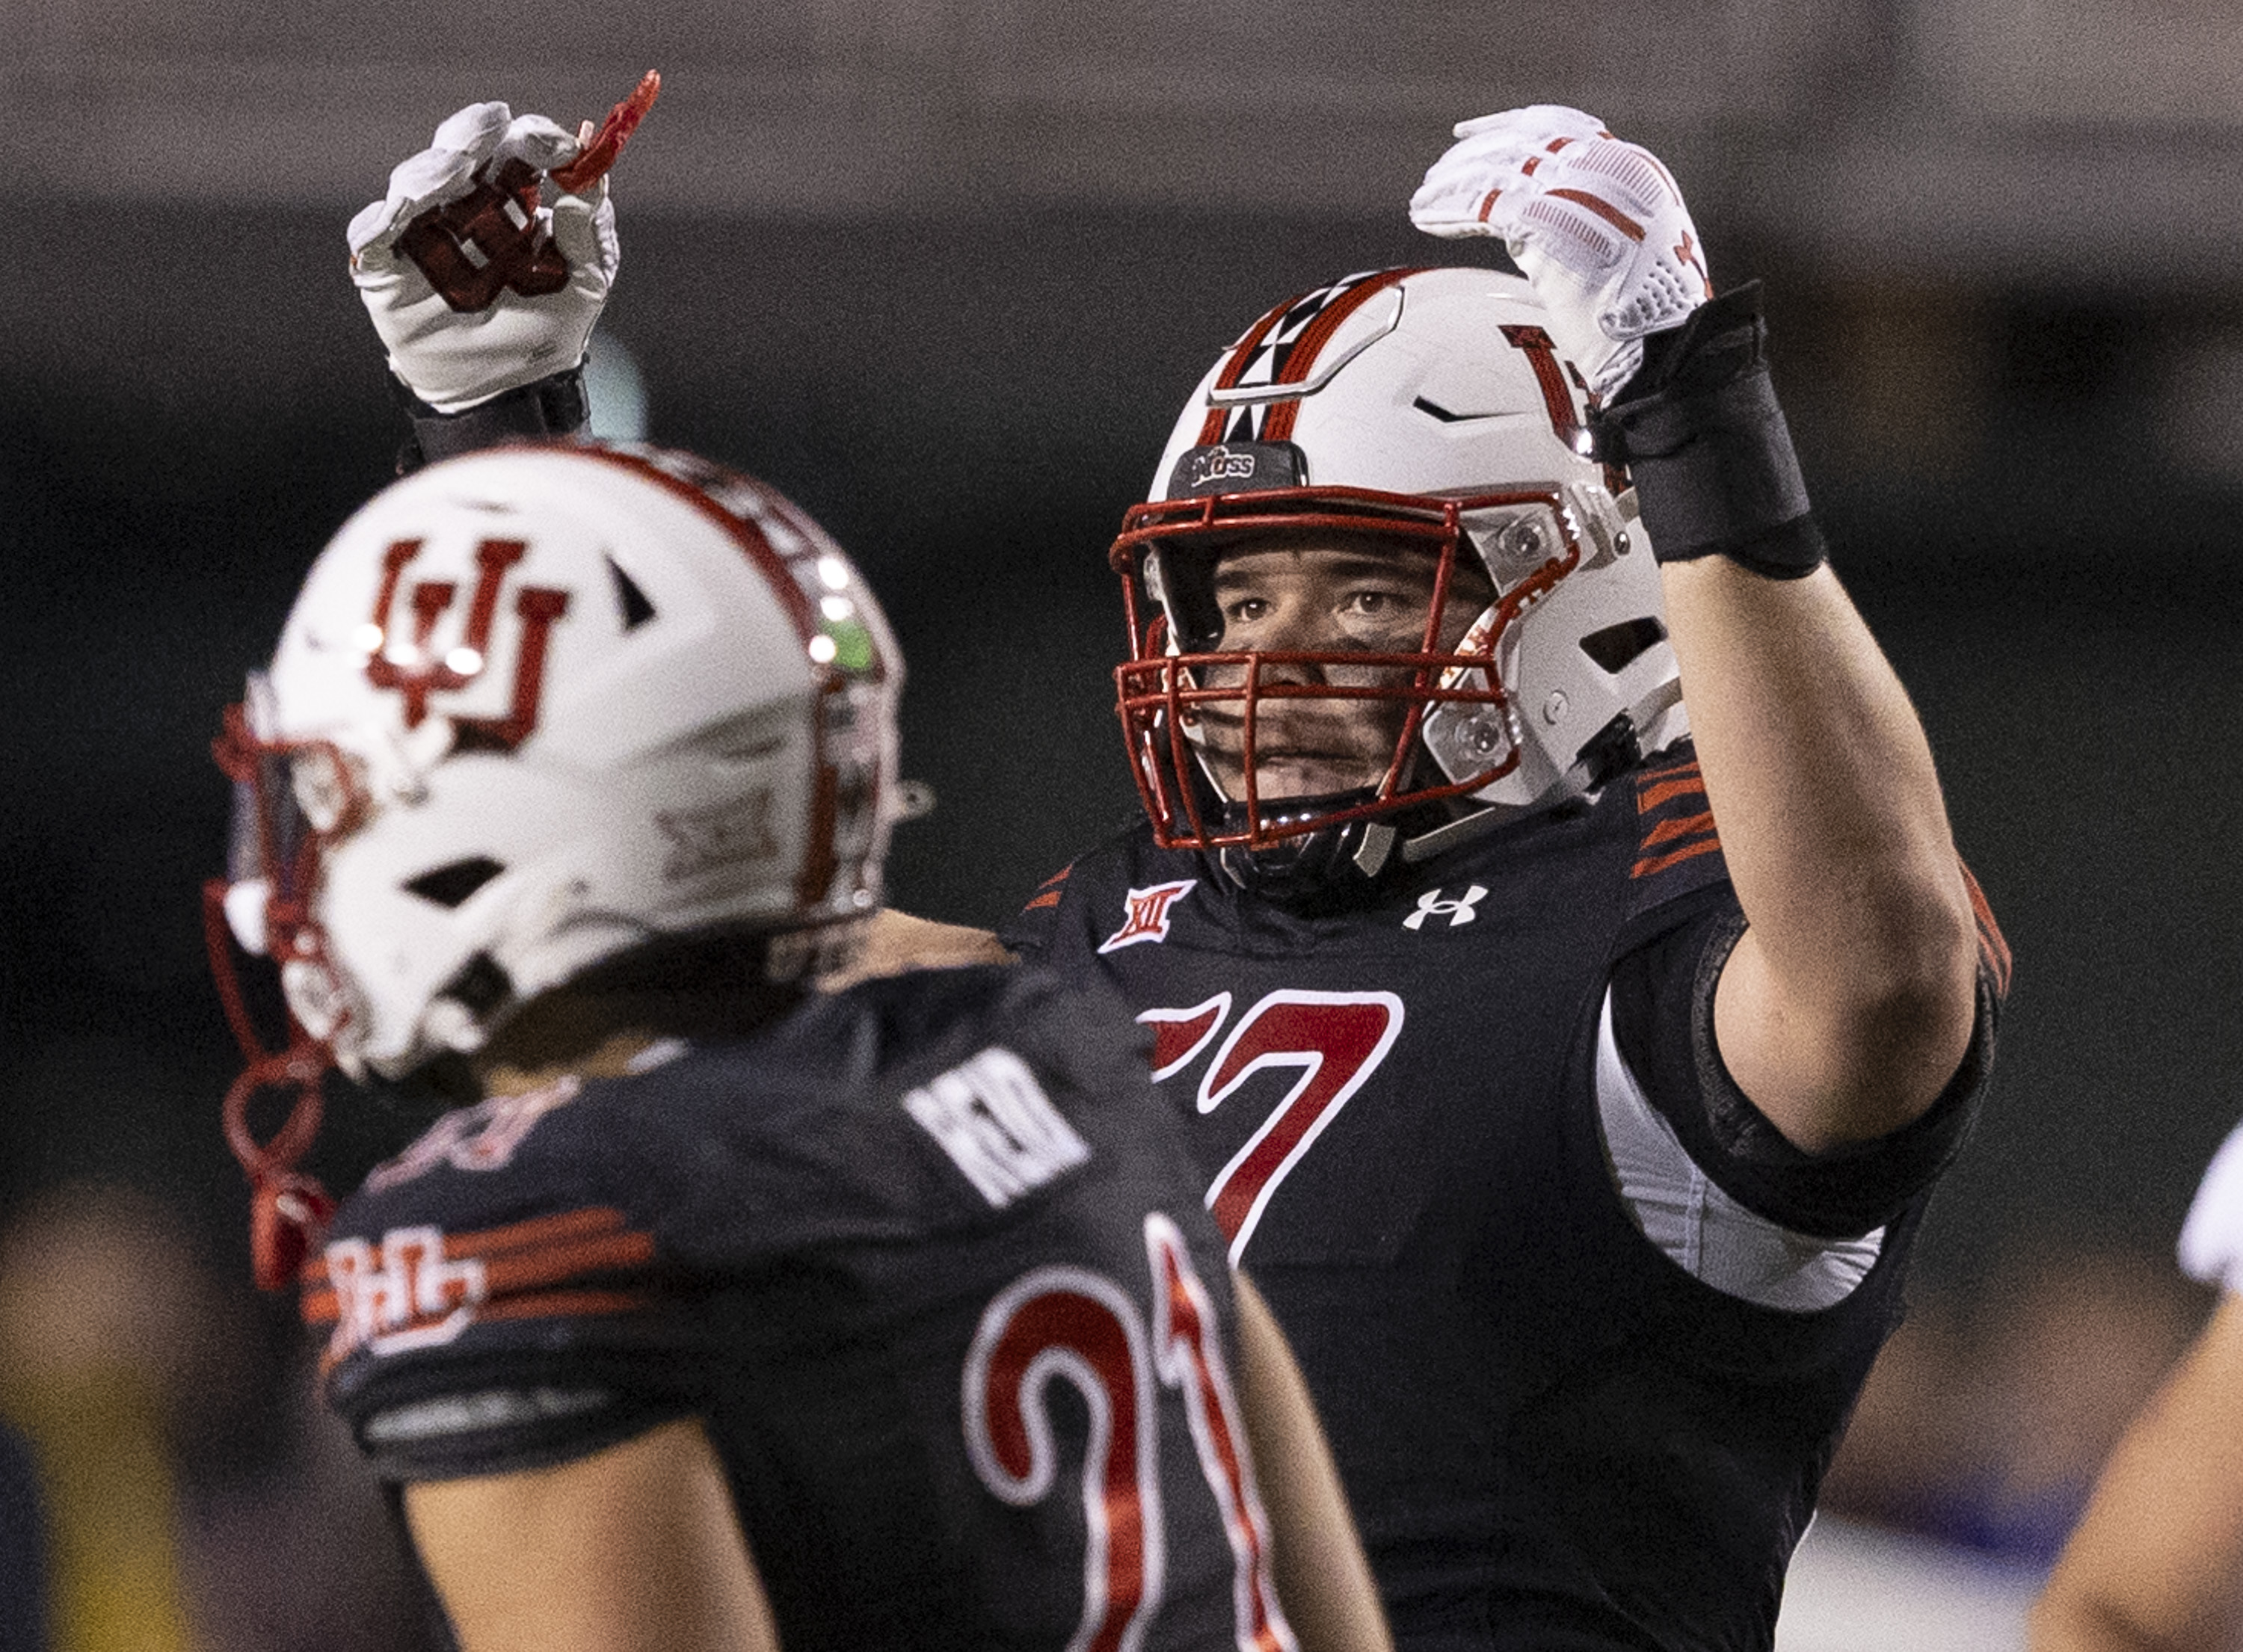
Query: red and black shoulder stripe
point(413, 1283)
point(1993, 949)
point(1048, 892)
point(1675, 823)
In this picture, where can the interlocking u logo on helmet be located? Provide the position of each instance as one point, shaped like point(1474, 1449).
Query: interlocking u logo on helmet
point(419, 671)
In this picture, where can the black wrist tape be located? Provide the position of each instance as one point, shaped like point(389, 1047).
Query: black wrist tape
point(1702, 436)
point(553, 407)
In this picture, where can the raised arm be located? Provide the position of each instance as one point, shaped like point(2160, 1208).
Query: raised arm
point(483, 289)
point(632, 1549)
point(1847, 1006)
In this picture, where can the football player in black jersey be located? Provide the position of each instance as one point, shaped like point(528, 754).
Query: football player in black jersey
point(1579, 1144)
point(731, 1315)
point(1579, 1141)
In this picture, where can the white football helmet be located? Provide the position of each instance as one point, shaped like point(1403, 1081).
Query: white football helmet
point(538, 706)
point(1429, 406)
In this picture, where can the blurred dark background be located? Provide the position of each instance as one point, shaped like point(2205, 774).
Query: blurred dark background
point(944, 270)
point(969, 402)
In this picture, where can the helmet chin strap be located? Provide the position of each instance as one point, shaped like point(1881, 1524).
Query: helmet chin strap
point(1329, 870)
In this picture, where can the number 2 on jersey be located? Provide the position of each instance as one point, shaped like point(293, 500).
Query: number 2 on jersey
point(1066, 1324)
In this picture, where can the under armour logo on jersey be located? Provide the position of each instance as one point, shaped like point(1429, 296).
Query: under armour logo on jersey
point(1433, 904)
point(1149, 914)
point(413, 665)
point(993, 1119)
point(487, 242)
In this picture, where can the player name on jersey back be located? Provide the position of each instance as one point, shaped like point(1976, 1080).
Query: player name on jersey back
point(998, 1126)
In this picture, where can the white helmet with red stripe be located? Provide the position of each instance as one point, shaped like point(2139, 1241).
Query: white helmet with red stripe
point(1428, 408)
point(539, 706)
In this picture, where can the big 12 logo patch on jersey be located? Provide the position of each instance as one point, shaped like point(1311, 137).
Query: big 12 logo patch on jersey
point(1149, 916)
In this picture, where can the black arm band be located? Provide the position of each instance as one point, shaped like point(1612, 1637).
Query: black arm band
point(552, 407)
point(1702, 436)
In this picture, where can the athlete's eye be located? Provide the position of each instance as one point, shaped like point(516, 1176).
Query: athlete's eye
point(1382, 606)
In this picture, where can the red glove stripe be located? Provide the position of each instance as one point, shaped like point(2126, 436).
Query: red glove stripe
point(1603, 209)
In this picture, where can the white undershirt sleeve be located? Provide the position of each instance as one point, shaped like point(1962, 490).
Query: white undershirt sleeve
point(1701, 1229)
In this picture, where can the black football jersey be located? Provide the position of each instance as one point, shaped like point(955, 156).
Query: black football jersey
point(1554, 1436)
point(925, 1260)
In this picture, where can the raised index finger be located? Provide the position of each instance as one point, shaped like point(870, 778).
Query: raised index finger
point(608, 143)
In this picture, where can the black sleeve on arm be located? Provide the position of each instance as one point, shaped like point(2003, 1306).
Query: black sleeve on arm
point(553, 407)
point(1663, 1021)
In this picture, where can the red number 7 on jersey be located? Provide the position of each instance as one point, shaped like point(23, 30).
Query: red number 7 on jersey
point(1337, 1039)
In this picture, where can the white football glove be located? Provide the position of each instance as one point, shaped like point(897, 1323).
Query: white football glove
point(1597, 225)
point(521, 283)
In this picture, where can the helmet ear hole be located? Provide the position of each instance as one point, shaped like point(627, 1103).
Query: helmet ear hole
point(481, 985)
point(1617, 647)
point(449, 886)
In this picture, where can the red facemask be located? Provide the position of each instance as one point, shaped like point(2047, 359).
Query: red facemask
point(1167, 700)
point(276, 849)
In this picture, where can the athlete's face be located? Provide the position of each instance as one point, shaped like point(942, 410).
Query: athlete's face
point(1324, 594)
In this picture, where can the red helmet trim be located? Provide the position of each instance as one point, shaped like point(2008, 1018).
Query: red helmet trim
point(821, 860)
point(1210, 429)
point(1303, 356)
point(793, 600)
point(1300, 357)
